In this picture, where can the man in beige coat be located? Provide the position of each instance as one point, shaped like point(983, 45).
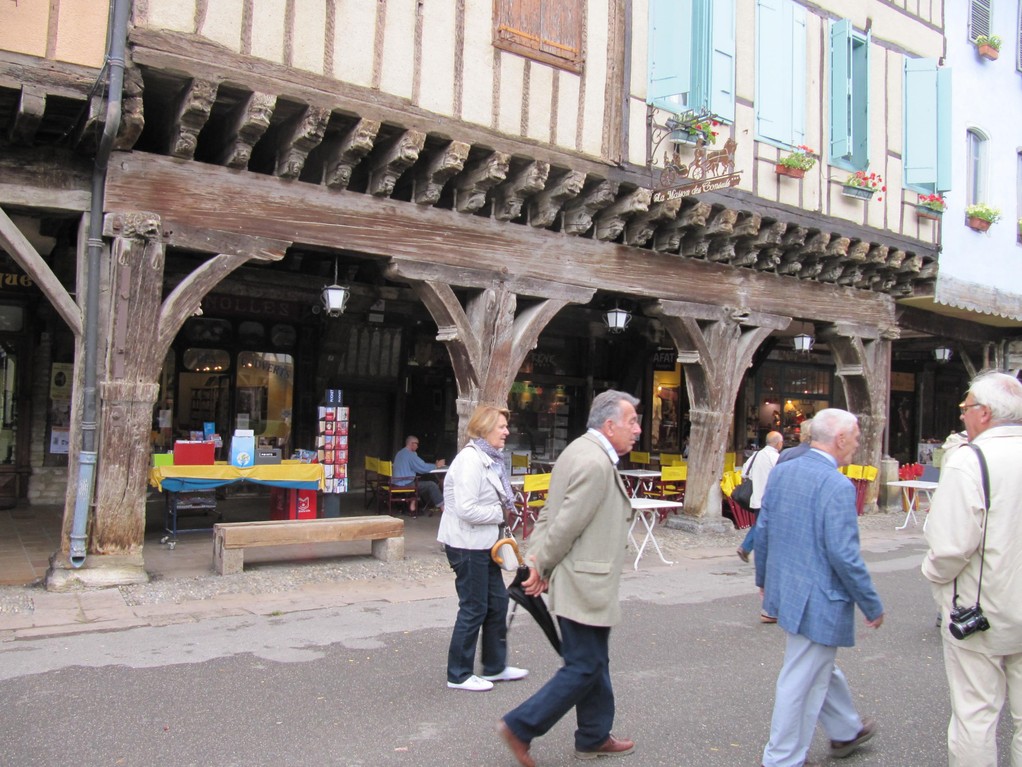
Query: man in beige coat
point(986, 666)
point(577, 550)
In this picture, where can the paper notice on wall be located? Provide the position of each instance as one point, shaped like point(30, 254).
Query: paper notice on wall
point(61, 374)
point(60, 440)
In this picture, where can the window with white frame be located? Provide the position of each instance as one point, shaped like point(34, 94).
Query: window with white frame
point(692, 56)
point(979, 18)
point(780, 72)
point(976, 169)
point(927, 121)
point(849, 96)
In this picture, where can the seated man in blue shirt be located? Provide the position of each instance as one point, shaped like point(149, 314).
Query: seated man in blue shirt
point(407, 464)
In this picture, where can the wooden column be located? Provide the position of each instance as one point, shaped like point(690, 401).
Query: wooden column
point(715, 347)
point(863, 359)
point(138, 327)
point(487, 338)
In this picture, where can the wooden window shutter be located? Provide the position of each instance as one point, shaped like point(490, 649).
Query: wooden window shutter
point(549, 31)
point(1018, 48)
point(920, 124)
point(979, 18)
point(670, 57)
point(721, 86)
point(840, 88)
point(780, 71)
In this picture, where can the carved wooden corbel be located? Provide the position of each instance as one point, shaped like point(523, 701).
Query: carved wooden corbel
point(430, 179)
point(342, 158)
point(248, 126)
point(306, 134)
point(31, 106)
point(544, 207)
point(472, 185)
point(578, 214)
point(611, 221)
point(510, 196)
point(192, 115)
point(642, 225)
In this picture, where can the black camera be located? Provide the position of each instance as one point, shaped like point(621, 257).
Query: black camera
point(966, 621)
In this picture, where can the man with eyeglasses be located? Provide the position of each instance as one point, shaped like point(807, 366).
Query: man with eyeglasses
point(985, 667)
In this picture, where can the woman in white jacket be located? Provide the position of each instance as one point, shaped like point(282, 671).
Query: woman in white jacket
point(477, 496)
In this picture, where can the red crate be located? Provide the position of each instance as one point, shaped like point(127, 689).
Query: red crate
point(188, 453)
point(287, 503)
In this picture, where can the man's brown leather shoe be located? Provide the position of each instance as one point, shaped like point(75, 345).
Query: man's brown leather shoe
point(518, 746)
point(611, 747)
point(839, 749)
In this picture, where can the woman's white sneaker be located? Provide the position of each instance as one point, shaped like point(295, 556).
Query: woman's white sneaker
point(473, 684)
point(509, 674)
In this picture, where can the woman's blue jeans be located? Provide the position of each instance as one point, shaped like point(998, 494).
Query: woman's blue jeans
point(482, 604)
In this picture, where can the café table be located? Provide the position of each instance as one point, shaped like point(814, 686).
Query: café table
point(440, 474)
point(911, 490)
point(647, 510)
point(639, 480)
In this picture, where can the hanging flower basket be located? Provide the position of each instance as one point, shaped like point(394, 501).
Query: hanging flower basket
point(988, 46)
point(924, 211)
point(979, 224)
point(988, 52)
point(784, 170)
point(858, 192)
point(683, 136)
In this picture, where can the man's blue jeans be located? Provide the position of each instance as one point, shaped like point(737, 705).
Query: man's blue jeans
point(749, 544)
point(583, 682)
point(482, 604)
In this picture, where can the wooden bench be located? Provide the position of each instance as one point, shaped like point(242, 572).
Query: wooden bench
point(230, 539)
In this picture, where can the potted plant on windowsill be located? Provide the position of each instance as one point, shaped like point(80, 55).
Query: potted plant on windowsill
point(980, 216)
point(795, 165)
point(689, 128)
point(988, 46)
point(862, 185)
point(930, 206)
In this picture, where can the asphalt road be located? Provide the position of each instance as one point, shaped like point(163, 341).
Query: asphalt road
point(693, 672)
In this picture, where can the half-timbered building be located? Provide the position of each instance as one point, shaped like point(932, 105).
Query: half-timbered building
point(487, 179)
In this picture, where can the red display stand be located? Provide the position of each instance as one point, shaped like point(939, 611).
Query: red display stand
point(287, 503)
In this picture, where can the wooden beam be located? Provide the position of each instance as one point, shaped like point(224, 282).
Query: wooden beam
point(194, 194)
point(481, 279)
point(31, 105)
point(953, 328)
point(21, 250)
point(47, 179)
point(212, 241)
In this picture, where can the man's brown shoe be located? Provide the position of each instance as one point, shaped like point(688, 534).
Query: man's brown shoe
point(518, 746)
point(611, 747)
point(839, 749)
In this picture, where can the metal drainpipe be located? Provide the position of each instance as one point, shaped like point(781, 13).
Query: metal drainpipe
point(116, 45)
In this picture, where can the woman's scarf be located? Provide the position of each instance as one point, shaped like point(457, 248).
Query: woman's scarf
point(497, 456)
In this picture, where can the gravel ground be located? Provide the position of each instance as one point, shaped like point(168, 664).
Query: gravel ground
point(419, 568)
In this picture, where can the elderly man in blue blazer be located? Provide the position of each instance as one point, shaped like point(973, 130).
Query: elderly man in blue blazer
point(810, 571)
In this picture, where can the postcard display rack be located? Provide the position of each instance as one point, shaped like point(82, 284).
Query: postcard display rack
point(332, 447)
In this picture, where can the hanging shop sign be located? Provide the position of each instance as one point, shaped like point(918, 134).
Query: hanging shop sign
point(710, 170)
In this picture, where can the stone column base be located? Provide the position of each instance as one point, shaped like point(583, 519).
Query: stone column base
point(698, 525)
point(99, 571)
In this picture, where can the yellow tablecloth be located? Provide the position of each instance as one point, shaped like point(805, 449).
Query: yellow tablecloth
point(302, 476)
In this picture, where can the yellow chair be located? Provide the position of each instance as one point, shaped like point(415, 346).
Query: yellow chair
point(519, 463)
point(729, 462)
point(391, 495)
point(638, 459)
point(372, 478)
point(671, 485)
point(671, 459)
point(534, 491)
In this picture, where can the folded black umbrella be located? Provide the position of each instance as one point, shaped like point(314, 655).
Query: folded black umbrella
point(535, 606)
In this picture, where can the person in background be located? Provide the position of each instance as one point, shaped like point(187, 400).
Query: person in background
point(985, 668)
point(758, 469)
point(478, 498)
point(810, 571)
point(407, 465)
point(576, 550)
point(805, 437)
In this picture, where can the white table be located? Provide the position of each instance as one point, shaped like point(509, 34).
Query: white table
point(646, 509)
point(911, 499)
point(639, 479)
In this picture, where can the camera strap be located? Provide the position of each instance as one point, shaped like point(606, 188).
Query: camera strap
point(985, 480)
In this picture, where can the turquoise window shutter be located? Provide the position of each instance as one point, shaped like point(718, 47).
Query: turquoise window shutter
point(722, 63)
point(780, 71)
point(840, 88)
point(702, 48)
point(943, 129)
point(920, 122)
point(670, 54)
